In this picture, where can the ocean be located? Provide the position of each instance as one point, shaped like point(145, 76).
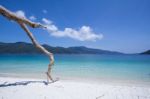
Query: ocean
point(126, 68)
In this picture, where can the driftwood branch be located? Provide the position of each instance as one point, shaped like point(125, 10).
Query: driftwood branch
point(23, 22)
point(12, 16)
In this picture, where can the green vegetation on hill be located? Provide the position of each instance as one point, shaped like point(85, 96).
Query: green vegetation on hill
point(146, 52)
point(28, 48)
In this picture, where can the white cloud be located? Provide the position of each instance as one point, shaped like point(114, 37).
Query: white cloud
point(20, 13)
point(44, 11)
point(33, 18)
point(85, 33)
point(46, 21)
point(51, 28)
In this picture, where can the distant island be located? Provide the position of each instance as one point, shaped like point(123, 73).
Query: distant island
point(146, 52)
point(28, 48)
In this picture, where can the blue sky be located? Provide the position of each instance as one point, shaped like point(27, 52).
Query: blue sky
point(124, 24)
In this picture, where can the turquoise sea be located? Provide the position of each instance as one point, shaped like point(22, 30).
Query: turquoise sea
point(84, 66)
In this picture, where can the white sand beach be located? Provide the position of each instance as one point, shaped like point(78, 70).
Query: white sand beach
point(21, 88)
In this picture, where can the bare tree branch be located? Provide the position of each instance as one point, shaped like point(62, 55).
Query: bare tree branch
point(12, 16)
point(23, 22)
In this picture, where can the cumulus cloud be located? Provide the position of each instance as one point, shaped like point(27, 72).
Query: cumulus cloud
point(20, 13)
point(85, 33)
point(33, 18)
point(44, 11)
point(46, 21)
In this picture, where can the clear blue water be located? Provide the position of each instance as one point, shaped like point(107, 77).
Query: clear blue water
point(116, 67)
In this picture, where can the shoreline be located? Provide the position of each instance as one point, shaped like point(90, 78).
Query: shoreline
point(84, 80)
point(68, 89)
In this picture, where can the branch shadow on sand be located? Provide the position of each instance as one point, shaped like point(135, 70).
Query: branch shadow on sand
point(24, 83)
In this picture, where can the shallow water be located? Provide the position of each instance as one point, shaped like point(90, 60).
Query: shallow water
point(108, 67)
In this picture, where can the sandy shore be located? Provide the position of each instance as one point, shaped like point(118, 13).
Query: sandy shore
point(18, 88)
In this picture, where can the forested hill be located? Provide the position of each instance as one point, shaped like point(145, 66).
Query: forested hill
point(146, 52)
point(28, 48)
